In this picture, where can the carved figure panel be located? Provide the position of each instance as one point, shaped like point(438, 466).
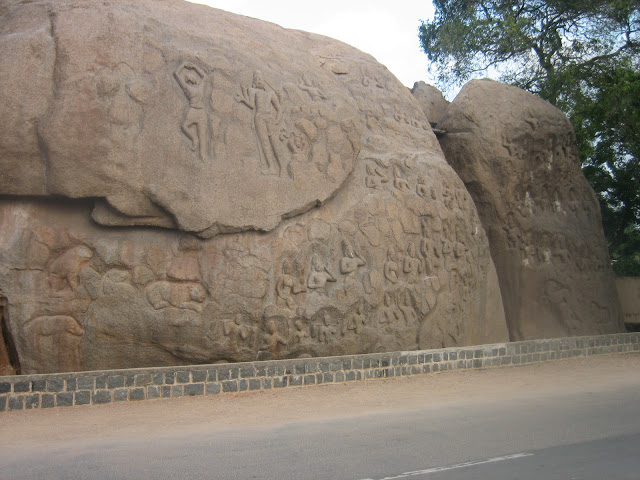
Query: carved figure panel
point(548, 247)
point(296, 188)
point(58, 337)
point(64, 270)
point(319, 274)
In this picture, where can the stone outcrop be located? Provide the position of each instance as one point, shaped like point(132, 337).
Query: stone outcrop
point(183, 185)
point(517, 156)
point(431, 100)
point(629, 294)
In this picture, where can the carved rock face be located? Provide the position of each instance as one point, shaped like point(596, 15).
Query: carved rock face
point(188, 123)
point(305, 203)
point(517, 155)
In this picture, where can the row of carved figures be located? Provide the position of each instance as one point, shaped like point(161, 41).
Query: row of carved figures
point(319, 275)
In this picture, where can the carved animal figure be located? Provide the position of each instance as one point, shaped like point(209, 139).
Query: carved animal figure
point(64, 270)
point(165, 294)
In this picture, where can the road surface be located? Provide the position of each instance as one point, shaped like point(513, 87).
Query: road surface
point(571, 419)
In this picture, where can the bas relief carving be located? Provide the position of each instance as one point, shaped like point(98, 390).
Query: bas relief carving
point(57, 337)
point(548, 246)
point(267, 115)
point(304, 207)
point(380, 277)
point(194, 125)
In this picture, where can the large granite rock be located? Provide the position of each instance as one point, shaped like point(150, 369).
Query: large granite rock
point(518, 158)
point(629, 294)
point(304, 204)
point(431, 100)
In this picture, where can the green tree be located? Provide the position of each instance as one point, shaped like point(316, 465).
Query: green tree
point(581, 56)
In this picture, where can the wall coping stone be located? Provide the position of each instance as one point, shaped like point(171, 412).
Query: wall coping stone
point(26, 392)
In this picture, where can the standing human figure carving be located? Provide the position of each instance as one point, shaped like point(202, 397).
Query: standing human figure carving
point(391, 267)
point(411, 265)
point(191, 79)
point(287, 286)
point(267, 114)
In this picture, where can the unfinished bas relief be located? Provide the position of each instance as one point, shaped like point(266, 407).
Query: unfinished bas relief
point(273, 199)
point(541, 215)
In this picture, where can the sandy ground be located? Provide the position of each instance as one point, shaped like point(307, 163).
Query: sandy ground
point(162, 417)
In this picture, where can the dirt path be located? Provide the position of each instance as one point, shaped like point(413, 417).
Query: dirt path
point(256, 409)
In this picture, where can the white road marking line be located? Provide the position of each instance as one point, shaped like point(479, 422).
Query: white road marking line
point(459, 465)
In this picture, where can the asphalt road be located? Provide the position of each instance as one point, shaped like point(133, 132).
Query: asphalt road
point(520, 423)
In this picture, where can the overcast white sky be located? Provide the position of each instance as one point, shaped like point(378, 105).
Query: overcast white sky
point(386, 29)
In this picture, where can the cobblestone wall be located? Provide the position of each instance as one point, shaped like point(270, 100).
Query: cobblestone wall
point(21, 392)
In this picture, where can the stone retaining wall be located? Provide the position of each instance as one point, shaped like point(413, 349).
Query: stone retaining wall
point(21, 392)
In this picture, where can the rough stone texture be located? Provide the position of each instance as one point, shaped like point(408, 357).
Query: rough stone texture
point(629, 295)
point(306, 204)
point(431, 100)
point(518, 158)
point(6, 363)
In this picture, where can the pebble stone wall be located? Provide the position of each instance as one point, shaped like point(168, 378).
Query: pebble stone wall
point(26, 392)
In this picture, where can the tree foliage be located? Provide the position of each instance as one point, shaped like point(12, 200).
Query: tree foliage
point(581, 56)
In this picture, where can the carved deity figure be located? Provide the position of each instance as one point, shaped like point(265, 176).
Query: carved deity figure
point(459, 249)
point(391, 267)
point(311, 88)
point(447, 195)
point(301, 333)
point(421, 187)
point(272, 340)
point(367, 78)
point(428, 250)
point(296, 144)
point(356, 321)
point(461, 197)
point(389, 313)
point(350, 262)
point(319, 274)
point(267, 114)
point(399, 181)
point(411, 265)
point(326, 330)
point(375, 177)
point(194, 125)
point(287, 286)
point(57, 337)
point(236, 331)
point(407, 308)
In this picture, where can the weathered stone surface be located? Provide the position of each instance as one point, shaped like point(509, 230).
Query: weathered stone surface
point(431, 100)
point(177, 125)
point(629, 295)
point(306, 206)
point(8, 365)
point(518, 158)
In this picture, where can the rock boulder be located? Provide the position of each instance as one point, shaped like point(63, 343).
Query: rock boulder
point(431, 100)
point(518, 157)
point(183, 185)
